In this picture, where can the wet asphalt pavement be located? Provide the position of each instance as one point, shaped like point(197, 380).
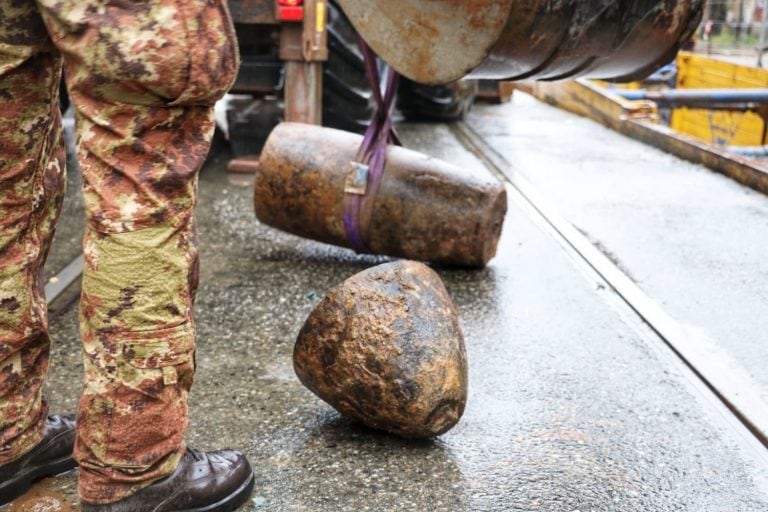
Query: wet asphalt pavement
point(693, 240)
point(574, 403)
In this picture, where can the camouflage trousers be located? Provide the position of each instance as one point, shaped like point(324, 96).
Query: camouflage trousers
point(143, 76)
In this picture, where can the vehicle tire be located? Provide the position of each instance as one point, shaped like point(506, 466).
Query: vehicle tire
point(444, 103)
point(347, 99)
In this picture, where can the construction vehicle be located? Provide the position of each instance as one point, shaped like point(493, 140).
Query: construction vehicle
point(301, 62)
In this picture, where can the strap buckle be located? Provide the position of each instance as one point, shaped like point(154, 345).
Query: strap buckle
point(357, 179)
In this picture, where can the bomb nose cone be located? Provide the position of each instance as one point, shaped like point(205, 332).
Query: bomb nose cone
point(385, 347)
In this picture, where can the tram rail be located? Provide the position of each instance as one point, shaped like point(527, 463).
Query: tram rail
point(707, 367)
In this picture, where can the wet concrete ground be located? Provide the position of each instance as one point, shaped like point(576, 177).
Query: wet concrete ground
point(574, 404)
point(694, 240)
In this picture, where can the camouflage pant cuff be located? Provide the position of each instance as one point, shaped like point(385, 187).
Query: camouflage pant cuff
point(133, 413)
point(25, 442)
point(103, 485)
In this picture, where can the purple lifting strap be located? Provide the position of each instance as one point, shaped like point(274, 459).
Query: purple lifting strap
point(373, 150)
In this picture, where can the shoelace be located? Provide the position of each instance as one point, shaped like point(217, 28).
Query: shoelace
point(196, 454)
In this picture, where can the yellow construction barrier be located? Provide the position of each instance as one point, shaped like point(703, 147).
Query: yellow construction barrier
point(718, 127)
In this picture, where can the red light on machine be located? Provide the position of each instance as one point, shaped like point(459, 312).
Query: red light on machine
point(290, 10)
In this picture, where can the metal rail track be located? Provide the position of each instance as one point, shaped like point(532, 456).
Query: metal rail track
point(61, 281)
point(721, 382)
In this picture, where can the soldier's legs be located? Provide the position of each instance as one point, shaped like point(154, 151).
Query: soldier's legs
point(31, 192)
point(143, 77)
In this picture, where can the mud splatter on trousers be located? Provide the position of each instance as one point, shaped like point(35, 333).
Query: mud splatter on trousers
point(143, 77)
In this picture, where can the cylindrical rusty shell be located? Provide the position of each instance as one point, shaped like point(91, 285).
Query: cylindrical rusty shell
point(425, 209)
point(385, 347)
point(439, 41)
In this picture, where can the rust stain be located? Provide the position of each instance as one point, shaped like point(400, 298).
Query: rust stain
point(43, 497)
point(385, 347)
point(440, 41)
point(424, 209)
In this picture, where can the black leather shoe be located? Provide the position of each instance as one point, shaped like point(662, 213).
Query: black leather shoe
point(51, 457)
point(203, 482)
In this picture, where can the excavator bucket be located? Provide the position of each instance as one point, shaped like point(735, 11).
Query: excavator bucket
point(440, 41)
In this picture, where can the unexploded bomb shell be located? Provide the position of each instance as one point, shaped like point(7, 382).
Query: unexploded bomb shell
point(425, 209)
point(385, 347)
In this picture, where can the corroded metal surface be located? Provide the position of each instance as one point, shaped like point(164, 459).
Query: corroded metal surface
point(430, 41)
point(425, 209)
point(438, 41)
point(304, 92)
point(385, 347)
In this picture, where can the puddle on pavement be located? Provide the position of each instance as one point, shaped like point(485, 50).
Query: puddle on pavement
point(42, 497)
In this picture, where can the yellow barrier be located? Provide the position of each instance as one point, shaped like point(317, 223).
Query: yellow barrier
point(718, 127)
point(639, 120)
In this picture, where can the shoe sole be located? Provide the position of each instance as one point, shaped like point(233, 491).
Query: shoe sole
point(20, 484)
point(231, 502)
